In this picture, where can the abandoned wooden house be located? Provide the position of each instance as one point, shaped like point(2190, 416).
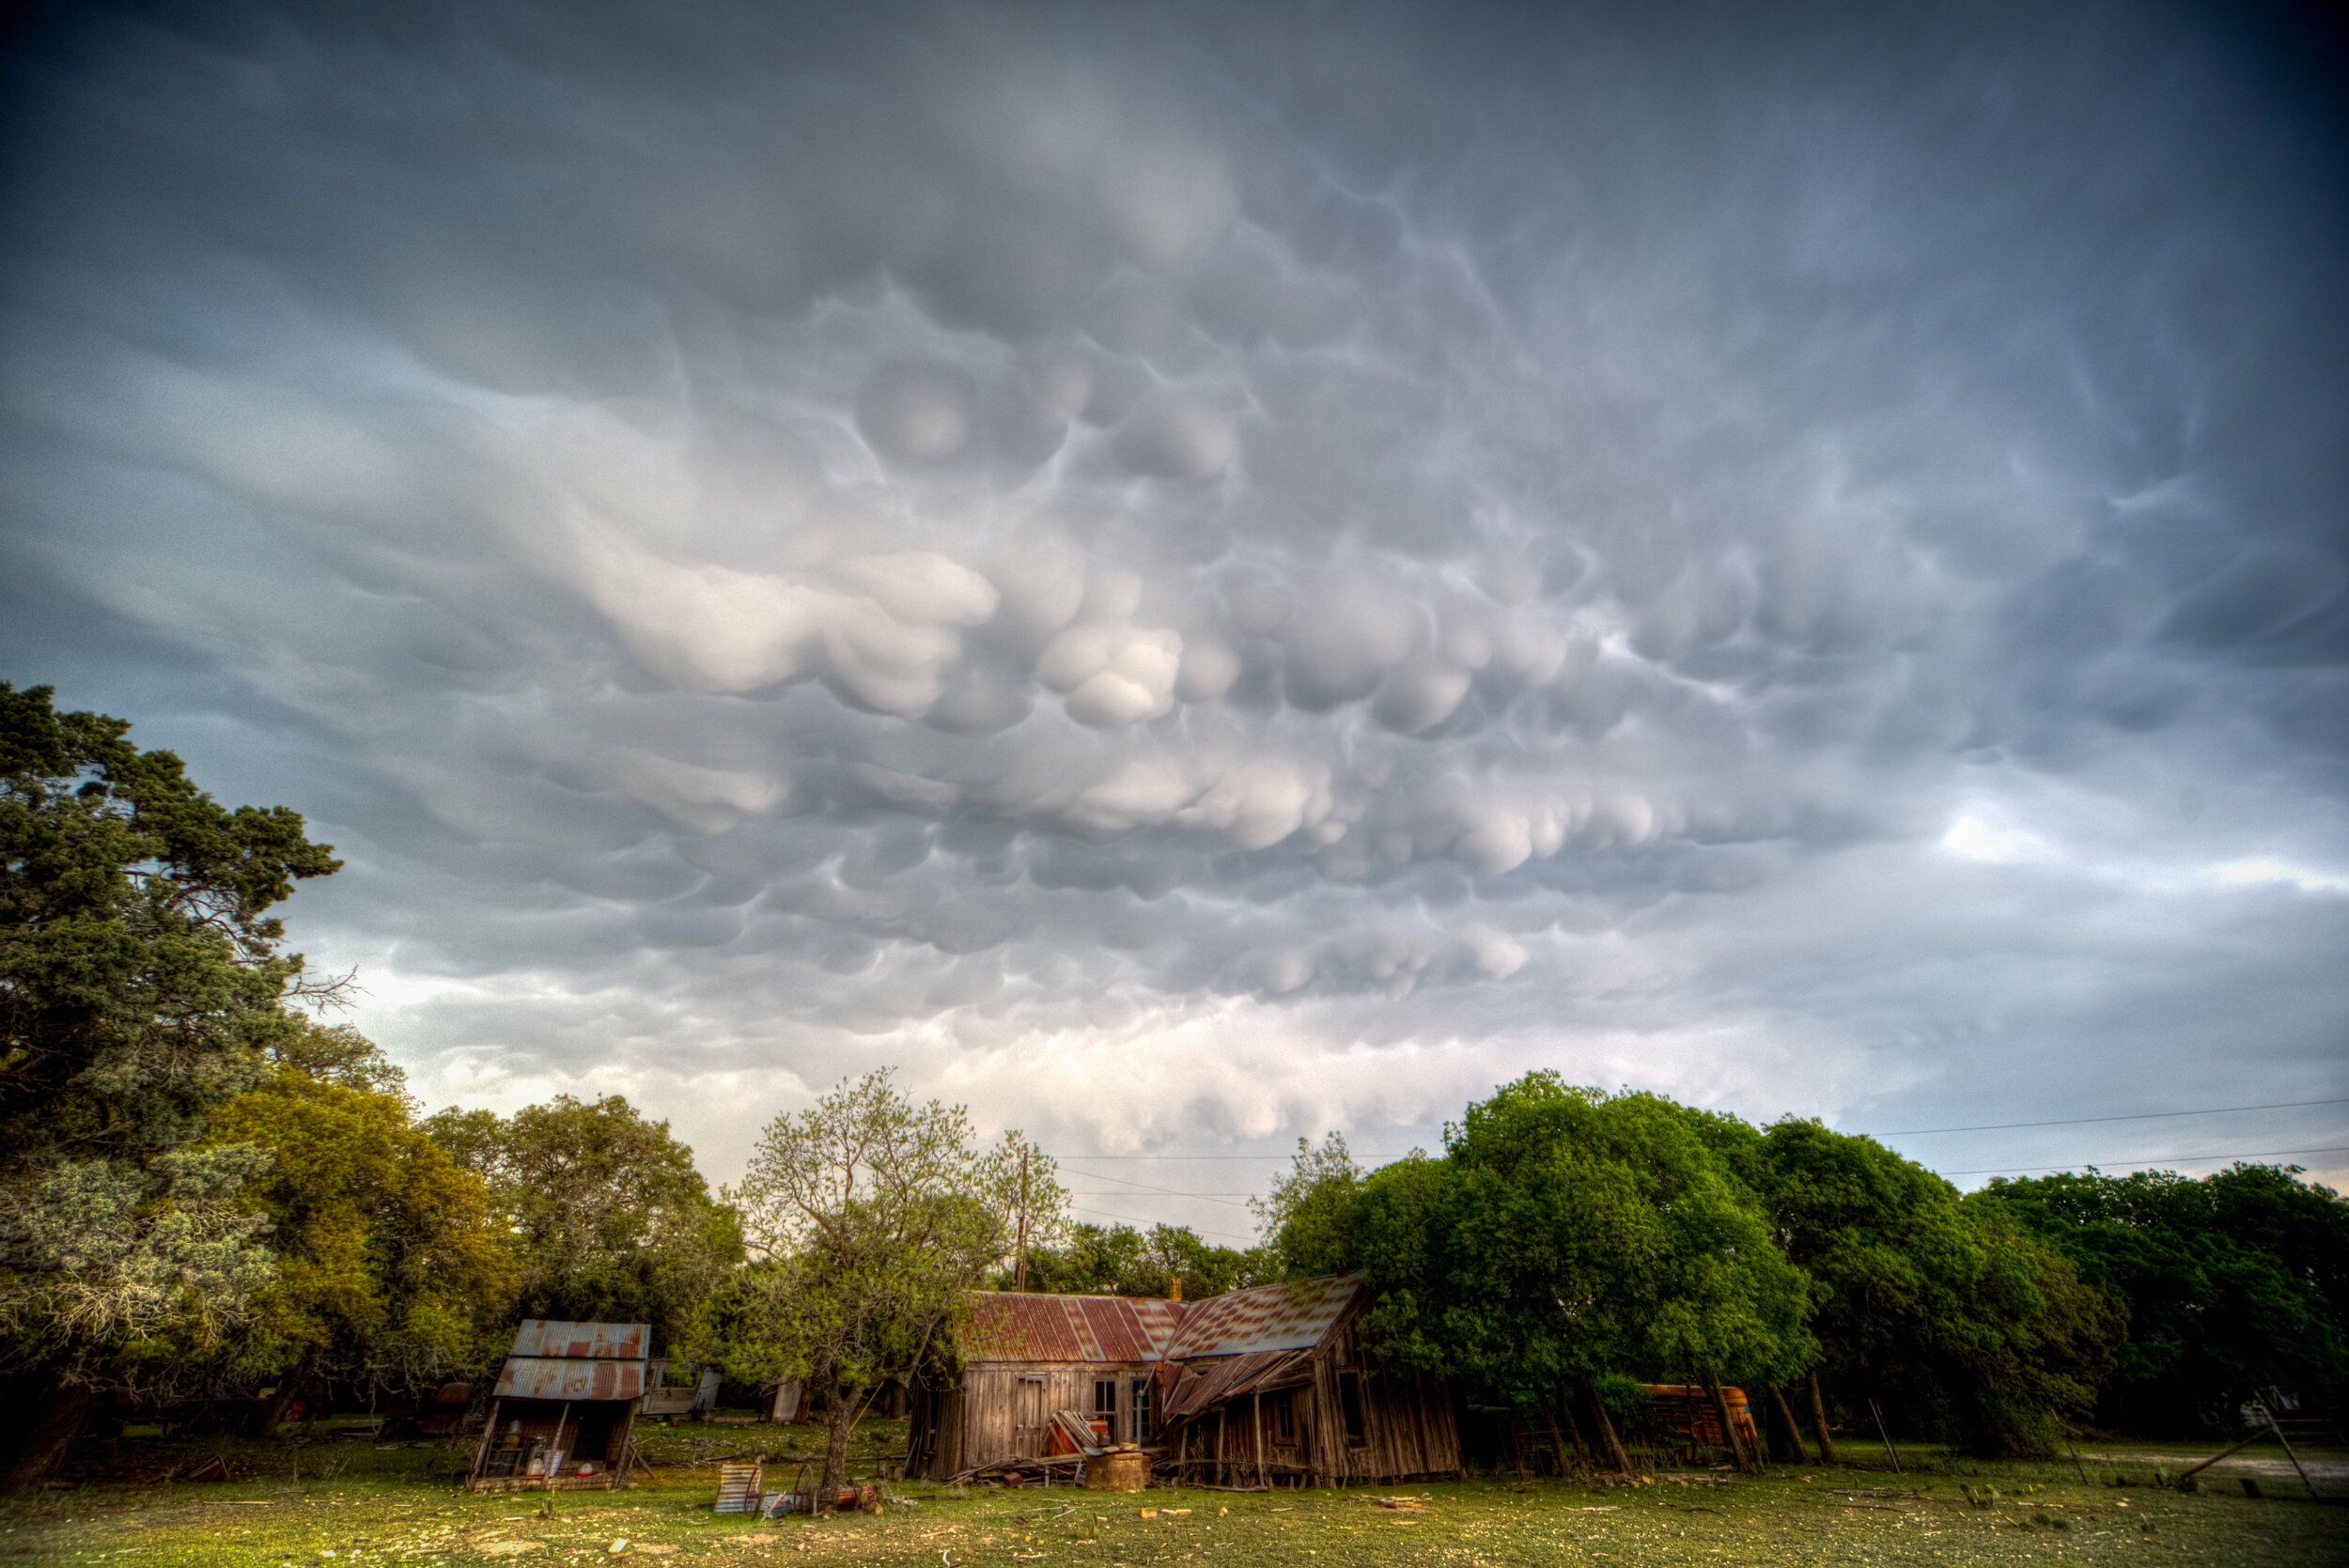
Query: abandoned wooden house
point(1027, 1358)
point(1262, 1386)
point(565, 1411)
point(1269, 1386)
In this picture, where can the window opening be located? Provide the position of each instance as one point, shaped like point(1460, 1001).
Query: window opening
point(1105, 1396)
point(1284, 1419)
point(1142, 1431)
point(1350, 1408)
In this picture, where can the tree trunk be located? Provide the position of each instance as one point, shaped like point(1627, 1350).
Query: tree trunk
point(1565, 1409)
point(1608, 1440)
point(1819, 1419)
point(1730, 1434)
point(1794, 1432)
point(56, 1419)
point(267, 1420)
point(840, 1412)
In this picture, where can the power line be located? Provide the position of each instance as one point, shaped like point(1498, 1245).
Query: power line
point(2147, 1159)
point(1145, 1187)
point(1905, 1133)
point(1137, 1219)
point(2084, 1121)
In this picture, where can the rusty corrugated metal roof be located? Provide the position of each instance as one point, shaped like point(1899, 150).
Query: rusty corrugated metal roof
point(609, 1341)
point(1008, 1327)
point(1292, 1316)
point(1227, 1377)
point(570, 1377)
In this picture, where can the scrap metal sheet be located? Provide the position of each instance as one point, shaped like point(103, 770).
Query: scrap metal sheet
point(608, 1342)
point(565, 1377)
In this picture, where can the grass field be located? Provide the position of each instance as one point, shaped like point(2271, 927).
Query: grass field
point(352, 1505)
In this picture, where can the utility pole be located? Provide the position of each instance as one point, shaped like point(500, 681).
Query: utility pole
point(1023, 1223)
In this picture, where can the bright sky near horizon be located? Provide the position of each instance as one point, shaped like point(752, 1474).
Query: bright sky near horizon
point(1191, 575)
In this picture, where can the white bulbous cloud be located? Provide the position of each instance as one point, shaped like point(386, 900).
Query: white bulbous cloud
point(1022, 554)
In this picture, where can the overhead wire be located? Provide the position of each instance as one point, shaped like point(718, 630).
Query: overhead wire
point(1131, 1189)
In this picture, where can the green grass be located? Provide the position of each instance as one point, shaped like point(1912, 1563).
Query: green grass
point(369, 1506)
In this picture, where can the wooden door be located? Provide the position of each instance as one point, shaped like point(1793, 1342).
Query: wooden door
point(1028, 1435)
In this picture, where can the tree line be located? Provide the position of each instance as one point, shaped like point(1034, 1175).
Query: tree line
point(1567, 1241)
point(208, 1190)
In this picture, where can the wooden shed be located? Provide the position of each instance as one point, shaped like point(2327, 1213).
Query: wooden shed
point(1262, 1386)
point(1027, 1358)
point(1269, 1386)
point(565, 1411)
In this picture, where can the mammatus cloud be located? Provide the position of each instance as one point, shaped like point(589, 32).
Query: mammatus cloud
point(1196, 575)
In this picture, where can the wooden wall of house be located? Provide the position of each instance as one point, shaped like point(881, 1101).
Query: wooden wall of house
point(993, 1414)
point(1408, 1427)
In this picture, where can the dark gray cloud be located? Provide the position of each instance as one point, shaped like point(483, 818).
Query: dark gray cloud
point(1203, 574)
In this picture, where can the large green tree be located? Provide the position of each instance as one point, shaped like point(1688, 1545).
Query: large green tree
point(1974, 1324)
point(1566, 1234)
point(392, 1268)
point(2234, 1282)
point(872, 1217)
point(611, 1221)
point(142, 981)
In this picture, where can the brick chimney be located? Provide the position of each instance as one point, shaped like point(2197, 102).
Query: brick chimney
point(1174, 1291)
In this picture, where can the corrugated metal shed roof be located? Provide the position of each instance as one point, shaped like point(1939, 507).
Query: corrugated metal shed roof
point(611, 1341)
point(567, 1377)
point(1290, 1316)
point(1015, 1328)
point(1227, 1378)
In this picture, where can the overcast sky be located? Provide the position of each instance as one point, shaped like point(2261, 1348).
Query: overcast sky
point(1189, 576)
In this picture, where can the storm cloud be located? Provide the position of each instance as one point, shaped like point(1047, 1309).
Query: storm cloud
point(1194, 574)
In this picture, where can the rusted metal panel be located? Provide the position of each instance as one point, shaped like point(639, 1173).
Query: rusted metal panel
point(1101, 1329)
point(611, 1341)
point(1211, 1382)
point(1293, 1316)
point(563, 1377)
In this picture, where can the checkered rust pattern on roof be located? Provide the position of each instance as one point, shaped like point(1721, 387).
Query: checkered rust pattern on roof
point(600, 1342)
point(570, 1377)
point(1292, 1316)
point(1015, 1328)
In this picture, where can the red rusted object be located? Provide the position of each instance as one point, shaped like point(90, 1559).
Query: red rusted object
point(602, 1342)
point(1293, 1316)
point(1095, 1328)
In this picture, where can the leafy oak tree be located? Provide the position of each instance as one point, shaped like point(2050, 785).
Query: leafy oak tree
point(2234, 1282)
point(392, 1268)
point(1918, 1293)
point(611, 1221)
point(1566, 1235)
point(873, 1216)
point(142, 982)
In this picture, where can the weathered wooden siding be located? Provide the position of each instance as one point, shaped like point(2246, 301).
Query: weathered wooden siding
point(1001, 1409)
point(1408, 1427)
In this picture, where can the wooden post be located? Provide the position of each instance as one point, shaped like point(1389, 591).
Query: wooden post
point(481, 1454)
point(1222, 1413)
point(1819, 1419)
point(1888, 1450)
point(554, 1448)
point(1794, 1432)
point(1264, 1476)
point(1023, 1223)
